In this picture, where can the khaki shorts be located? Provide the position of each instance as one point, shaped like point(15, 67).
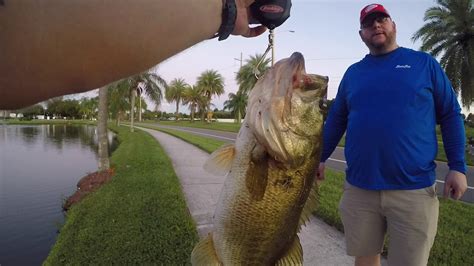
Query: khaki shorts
point(410, 217)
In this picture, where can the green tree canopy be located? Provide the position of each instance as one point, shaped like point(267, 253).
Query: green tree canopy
point(237, 104)
point(175, 93)
point(246, 75)
point(211, 83)
point(449, 33)
point(196, 101)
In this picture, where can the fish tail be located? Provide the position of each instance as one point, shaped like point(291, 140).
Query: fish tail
point(204, 253)
point(294, 256)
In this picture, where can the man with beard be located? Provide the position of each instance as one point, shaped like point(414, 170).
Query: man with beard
point(390, 103)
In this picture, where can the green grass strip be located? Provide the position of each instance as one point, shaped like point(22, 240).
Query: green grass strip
point(204, 143)
point(140, 217)
point(229, 127)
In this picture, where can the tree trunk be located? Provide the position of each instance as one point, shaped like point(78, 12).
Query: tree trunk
point(239, 116)
point(103, 140)
point(177, 111)
point(208, 108)
point(140, 110)
point(134, 94)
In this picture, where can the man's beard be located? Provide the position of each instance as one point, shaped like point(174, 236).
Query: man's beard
point(389, 40)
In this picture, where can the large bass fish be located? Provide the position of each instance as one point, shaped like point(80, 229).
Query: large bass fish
point(270, 172)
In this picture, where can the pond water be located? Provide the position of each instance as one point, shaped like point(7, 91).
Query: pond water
point(39, 167)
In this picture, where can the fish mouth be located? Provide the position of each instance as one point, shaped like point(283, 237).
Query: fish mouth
point(310, 85)
point(313, 85)
point(311, 82)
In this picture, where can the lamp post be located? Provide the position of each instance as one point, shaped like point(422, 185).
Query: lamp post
point(272, 40)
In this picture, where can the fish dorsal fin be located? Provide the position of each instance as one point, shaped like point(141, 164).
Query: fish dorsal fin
point(257, 173)
point(310, 206)
point(204, 253)
point(220, 161)
point(294, 256)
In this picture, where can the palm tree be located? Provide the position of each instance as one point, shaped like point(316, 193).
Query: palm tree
point(149, 84)
point(104, 163)
point(119, 101)
point(246, 75)
point(211, 83)
point(140, 106)
point(236, 104)
point(193, 97)
point(175, 93)
point(449, 30)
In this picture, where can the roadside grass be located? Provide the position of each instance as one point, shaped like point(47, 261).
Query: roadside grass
point(139, 218)
point(230, 127)
point(453, 243)
point(206, 144)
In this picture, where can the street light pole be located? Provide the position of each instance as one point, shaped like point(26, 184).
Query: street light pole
point(272, 42)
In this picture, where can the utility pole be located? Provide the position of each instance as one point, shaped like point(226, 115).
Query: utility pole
point(239, 60)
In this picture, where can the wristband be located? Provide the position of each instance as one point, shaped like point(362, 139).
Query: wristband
point(229, 15)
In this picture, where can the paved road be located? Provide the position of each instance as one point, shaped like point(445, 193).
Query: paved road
point(337, 160)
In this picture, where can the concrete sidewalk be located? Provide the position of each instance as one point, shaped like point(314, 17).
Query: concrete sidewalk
point(322, 244)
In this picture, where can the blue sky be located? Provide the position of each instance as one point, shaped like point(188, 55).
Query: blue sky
point(325, 32)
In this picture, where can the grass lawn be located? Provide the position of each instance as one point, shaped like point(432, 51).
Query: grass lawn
point(139, 218)
point(230, 127)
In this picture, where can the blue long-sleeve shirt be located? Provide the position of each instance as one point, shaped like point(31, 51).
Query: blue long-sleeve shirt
point(390, 105)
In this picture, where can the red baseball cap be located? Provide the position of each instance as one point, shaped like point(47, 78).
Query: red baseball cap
point(372, 8)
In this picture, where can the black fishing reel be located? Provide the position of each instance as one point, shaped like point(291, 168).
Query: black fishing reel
point(271, 13)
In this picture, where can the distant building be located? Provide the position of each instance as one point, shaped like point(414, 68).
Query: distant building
point(4, 113)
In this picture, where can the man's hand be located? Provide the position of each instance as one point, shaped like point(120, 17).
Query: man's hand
point(243, 19)
point(320, 173)
point(455, 184)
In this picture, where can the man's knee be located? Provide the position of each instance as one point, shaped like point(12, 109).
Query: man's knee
point(368, 260)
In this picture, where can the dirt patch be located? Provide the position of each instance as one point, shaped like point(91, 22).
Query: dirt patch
point(88, 184)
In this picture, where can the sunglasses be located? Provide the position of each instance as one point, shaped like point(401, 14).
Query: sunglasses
point(367, 23)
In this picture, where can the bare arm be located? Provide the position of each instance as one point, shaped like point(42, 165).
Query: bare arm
point(57, 47)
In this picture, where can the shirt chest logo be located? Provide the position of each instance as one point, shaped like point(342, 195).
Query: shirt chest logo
point(402, 66)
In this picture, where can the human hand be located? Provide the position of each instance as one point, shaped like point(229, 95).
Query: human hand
point(455, 184)
point(243, 20)
point(320, 173)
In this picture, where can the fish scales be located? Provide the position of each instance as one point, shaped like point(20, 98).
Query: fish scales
point(270, 172)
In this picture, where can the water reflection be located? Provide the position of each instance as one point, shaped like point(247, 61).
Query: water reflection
point(39, 167)
point(60, 135)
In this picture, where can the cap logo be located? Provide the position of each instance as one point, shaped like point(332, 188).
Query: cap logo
point(271, 9)
point(369, 8)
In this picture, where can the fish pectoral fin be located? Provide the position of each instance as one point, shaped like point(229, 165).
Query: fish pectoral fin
point(204, 253)
point(220, 161)
point(256, 178)
point(294, 256)
point(310, 206)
